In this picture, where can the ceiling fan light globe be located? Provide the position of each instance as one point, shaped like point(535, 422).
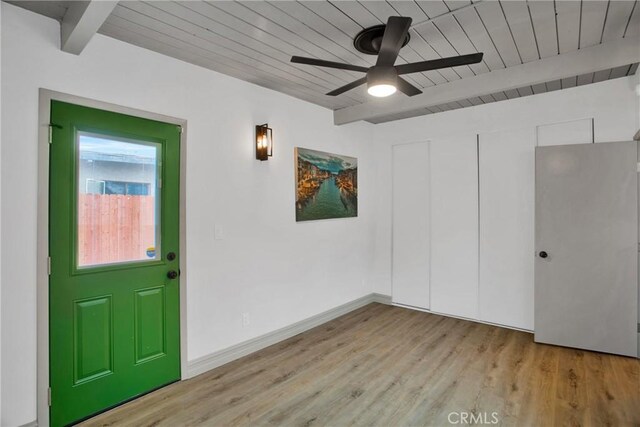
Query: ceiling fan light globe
point(381, 90)
point(382, 81)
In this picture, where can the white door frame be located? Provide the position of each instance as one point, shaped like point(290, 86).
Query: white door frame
point(44, 116)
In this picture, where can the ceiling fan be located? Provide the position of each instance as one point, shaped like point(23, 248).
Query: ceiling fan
point(383, 79)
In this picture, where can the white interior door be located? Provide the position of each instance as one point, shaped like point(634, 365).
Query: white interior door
point(454, 225)
point(507, 204)
point(586, 272)
point(410, 258)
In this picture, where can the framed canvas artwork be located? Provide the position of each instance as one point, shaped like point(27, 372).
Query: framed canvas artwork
point(326, 185)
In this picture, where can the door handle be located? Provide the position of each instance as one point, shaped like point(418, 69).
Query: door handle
point(172, 274)
point(543, 254)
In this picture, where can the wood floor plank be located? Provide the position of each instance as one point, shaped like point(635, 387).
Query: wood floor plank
point(390, 366)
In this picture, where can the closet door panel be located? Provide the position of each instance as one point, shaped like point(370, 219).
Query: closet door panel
point(410, 250)
point(454, 226)
point(507, 206)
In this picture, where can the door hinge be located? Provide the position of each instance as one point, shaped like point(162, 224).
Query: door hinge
point(49, 265)
point(51, 126)
point(49, 396)
point(180, 130)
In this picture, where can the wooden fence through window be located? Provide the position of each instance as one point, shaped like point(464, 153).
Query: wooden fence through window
point(115, 228)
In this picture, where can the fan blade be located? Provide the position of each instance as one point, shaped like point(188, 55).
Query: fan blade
point(407, 88)
point(394, 35)
point(435, 64)
point(330, 64)
point(347, 87)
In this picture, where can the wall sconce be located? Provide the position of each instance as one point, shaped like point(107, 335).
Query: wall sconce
point(264, 142)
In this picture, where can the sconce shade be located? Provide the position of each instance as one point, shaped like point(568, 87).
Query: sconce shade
point(264, 142)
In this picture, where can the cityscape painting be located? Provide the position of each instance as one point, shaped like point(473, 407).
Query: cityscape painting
point(326, 185)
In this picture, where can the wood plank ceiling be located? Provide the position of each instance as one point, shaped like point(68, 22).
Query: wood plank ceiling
point(254, 40)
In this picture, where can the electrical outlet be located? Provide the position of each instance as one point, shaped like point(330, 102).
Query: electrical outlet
point(218, 232)
point(245, 319)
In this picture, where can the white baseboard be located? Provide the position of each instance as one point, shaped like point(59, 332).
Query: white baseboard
point(219, 358)
point(470, 319)
point(381, 298)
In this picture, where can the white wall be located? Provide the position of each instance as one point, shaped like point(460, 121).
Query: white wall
point(0, 227)
point(268, 265)
point(613, 104)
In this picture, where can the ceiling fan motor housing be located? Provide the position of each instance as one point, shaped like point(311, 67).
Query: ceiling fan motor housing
point(369, 40)
point(381, 75)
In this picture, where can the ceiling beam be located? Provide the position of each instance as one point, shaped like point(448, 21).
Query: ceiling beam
point(81, 21)
point(600, 57)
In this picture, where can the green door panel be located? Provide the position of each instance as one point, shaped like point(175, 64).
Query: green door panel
point(92, 339)
point(149, 320)
point(114, 330)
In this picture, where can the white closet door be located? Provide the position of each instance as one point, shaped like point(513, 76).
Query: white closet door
point(507, 206)
point(454, 226)
point(410, 272)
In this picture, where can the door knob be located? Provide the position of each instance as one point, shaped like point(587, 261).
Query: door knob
point(172, 274)
point(543, 254)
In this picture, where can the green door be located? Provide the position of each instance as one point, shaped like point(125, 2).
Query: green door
point(114, 237)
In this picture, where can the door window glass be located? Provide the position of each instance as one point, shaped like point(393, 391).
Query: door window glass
point(118, 200)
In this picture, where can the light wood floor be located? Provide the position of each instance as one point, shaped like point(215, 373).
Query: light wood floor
point(389, 366)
